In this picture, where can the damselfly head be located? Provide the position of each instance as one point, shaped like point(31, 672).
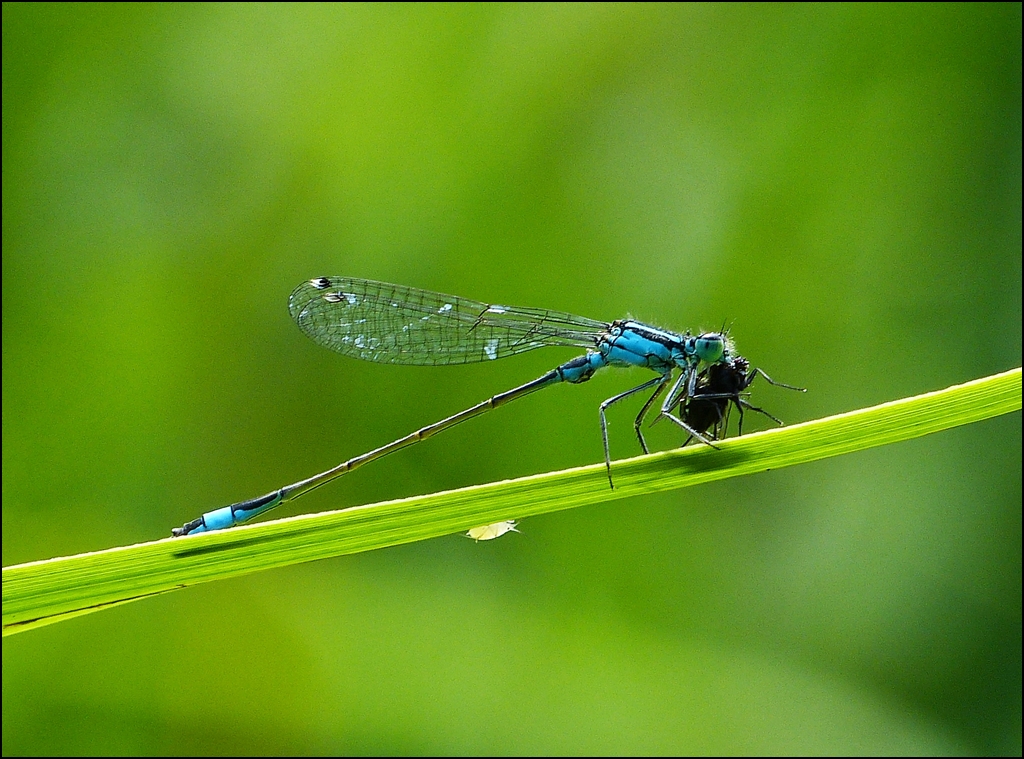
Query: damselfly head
point(710, 346)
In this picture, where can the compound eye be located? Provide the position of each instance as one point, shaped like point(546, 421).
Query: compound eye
point(710, 347)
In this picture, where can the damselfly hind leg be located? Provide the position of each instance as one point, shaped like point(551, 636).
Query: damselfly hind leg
point(660, 381)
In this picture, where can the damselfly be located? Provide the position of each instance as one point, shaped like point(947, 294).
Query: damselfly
point(393, 324)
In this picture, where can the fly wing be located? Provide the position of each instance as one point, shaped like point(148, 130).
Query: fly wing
point(394, 324)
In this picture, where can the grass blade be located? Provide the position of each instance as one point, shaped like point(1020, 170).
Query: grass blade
point(43, 592)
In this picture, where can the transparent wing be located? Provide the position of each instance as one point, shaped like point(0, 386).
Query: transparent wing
point(393, 324)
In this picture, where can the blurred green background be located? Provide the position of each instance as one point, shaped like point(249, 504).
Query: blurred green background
point(841, 185)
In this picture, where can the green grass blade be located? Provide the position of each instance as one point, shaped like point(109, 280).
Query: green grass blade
point(44, 592)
